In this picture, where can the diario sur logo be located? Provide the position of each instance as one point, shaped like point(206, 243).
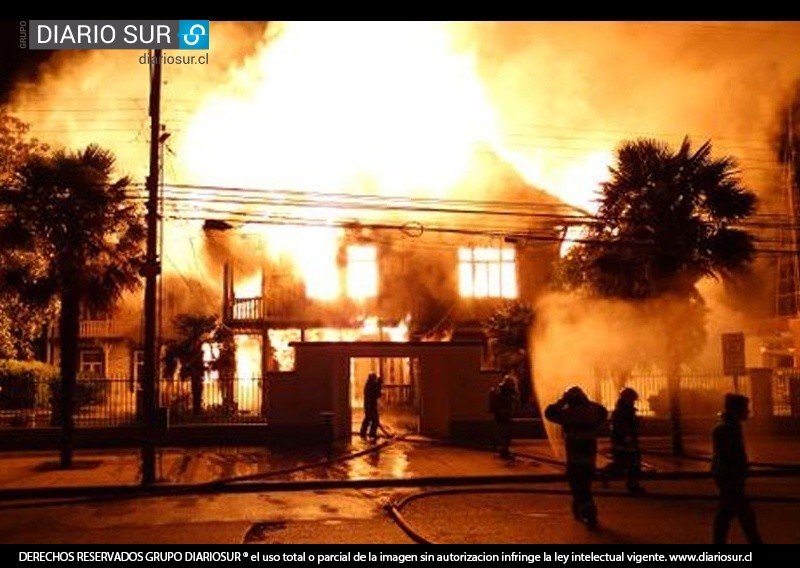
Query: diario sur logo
point(119, 34)
point(193, 34)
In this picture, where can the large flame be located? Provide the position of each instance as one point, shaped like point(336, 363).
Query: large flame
point(381, 108)
point(366, 108)
point(372, 329)
point(328, 105)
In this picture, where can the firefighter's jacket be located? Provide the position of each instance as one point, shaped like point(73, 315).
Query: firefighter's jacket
point(624, 429)
point(581, 424)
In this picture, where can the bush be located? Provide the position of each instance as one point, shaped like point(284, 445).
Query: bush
point(86, 393)
point(23, 384)
point(181, 405)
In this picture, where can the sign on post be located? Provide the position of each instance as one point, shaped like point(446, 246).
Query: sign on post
point(733, 356)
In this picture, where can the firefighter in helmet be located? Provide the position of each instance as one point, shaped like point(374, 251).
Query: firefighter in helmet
point(730, 468)
point(504, 405)
point(581, 421)
point(373, 389)
point(626, 458)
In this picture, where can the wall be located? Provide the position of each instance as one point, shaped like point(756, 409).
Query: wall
point(450, 384)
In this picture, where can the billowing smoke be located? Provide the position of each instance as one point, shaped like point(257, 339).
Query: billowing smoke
point(567, 91)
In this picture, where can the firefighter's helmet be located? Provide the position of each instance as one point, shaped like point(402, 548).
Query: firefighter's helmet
point(575, 395)
point(737, 404)
point(628, 395)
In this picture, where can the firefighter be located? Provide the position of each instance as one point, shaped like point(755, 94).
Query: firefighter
point(729, 468)
point(373, 388)
point(581, 421)
point(626, 459)
point(504, 403)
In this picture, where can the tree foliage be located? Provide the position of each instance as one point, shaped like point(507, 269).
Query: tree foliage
point(508, 331)
point(185, 355)
point(77, 236)
point(22, 324)
point(16, 146)
point(666, 219)
point(77, 226)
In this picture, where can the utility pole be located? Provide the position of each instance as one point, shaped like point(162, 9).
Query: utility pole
point(151, 271)
point(787, 301)
point(792, 189)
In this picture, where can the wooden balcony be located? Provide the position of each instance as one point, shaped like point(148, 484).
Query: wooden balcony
point(282, 304)
point(105, 329)
point(246, 309)
point(257, 313)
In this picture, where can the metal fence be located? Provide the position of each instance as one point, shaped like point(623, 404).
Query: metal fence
point(116, 401)
point(701, 393)
point(786, 392)
point(112, 401)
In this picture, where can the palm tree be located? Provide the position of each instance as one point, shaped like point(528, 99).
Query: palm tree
point(666, 220)
point(82, 238)
point(225, 364)
point(184, 353)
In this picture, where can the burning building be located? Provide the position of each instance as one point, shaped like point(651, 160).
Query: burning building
point(349, 193)
point(377, 181)
point(399, 269)
point(406, 271)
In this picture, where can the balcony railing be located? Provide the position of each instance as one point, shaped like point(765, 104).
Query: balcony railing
point(259, 309)
point(105, 329)
point(246, 309)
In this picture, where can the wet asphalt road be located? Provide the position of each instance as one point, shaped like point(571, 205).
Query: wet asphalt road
point(673, 511)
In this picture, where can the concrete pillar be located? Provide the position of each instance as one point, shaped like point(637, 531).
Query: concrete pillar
point(265, 346)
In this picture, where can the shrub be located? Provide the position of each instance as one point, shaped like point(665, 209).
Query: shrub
point(23, 384)
point(86, 393)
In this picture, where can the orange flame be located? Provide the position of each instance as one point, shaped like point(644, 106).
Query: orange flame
point(364, 107)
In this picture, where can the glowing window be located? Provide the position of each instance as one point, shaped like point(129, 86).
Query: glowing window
point(362, 272)
point(485, 272)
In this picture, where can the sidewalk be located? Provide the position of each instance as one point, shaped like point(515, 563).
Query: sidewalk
point(405, 460)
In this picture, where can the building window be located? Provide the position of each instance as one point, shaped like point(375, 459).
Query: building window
point(485, 272)
point(91, 362)
point(362, 272)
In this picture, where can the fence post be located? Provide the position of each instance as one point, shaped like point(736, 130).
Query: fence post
point(761, 397)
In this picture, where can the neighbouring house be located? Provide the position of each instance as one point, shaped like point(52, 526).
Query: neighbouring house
point(109, 346)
